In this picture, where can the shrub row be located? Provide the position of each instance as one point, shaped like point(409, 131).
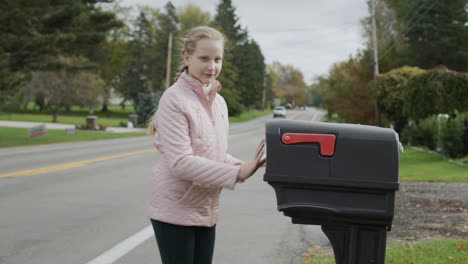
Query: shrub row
point(446, 135)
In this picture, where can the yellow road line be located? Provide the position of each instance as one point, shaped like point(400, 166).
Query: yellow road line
point(247, 133)
point(293, 116)
point(86, 162)
point(72, 164)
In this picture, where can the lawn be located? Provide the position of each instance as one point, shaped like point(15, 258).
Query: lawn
point(249, 115)
point(418, 165)
point(114, 111)
point(62, 119)
point(446, 251)
point(12, 137)
point(78, 116)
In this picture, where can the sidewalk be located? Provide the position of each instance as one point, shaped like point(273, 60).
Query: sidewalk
point(65, 126)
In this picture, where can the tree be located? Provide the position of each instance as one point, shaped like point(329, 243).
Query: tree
point(112, 54)
point(191, 16)
point(65, 88)
point(434, 31)
point(389, 91)
point(314, 97)
point(252, 69)
point(387, 36)
point(148, 103)
point(290, 85)
point(347, 92)
point(8, 80)
point(436, 91)
point(227, 20)
point(32, 34)
point(168, 23)
point(137, 75)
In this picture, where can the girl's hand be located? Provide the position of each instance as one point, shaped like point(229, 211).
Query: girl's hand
point(248, 169)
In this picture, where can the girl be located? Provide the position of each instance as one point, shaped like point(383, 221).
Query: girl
point(190, 130)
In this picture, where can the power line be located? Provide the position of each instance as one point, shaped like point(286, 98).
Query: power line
point(412, 8)
point(397, 41)
point(406, 25)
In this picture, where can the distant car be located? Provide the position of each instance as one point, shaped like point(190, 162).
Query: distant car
point(279, 111)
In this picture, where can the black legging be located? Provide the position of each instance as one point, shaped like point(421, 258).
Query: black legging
point(184, 244)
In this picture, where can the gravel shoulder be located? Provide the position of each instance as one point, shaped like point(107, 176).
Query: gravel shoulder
point(423, 210)
point(430, 210)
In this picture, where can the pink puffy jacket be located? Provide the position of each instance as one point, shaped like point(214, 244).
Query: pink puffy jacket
point(192, 137)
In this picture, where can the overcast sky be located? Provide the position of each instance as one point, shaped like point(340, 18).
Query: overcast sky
point(311, 35)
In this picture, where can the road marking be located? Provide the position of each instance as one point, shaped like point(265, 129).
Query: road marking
point(134, 241)
point(247, 133)
point(72, 164)
point(124, 247)
point(293, 116)
point(86, 162)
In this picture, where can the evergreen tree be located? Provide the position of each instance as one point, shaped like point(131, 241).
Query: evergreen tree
point(33, 33)
point(137, 76)
point(227, 21)
point(435, 32)
point(243, 64)
point(166, 23)
point(252, 69)
point(192, 16)
point(148, 103)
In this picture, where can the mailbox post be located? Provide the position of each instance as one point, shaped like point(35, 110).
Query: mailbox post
point(340, 176)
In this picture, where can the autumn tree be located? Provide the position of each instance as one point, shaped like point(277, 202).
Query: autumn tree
point(289, 84)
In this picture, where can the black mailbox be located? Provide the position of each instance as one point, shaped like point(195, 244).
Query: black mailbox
point(340, 176)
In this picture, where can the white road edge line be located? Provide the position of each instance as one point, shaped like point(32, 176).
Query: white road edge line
point(128, 244)
point(124, 247)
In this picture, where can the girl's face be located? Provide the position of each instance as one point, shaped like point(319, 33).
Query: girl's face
point(206, 61)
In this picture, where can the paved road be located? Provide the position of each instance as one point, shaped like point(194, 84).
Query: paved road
point(87, 205)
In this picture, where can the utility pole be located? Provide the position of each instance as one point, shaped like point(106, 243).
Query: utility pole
point(265, 75)
point(169, 55)
point(376, 57)
point(374, 41)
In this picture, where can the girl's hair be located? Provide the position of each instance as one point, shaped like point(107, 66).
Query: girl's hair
point(191, 39)
point(189, 45)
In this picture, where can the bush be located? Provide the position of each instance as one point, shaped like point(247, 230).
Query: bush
point(424, 132)
point(148, 103)
point(453, 133)
point(332, 118)
point(235, 108)
point(436, 91)
point(449, 136)
point(388, 90)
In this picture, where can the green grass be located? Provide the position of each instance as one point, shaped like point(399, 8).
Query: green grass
point(115, 111)
point(62, 119)
point(249, 115)
point(10, 137)
point(77, 116)
point(13, 137)
point(417, 165)
point(445, 251)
